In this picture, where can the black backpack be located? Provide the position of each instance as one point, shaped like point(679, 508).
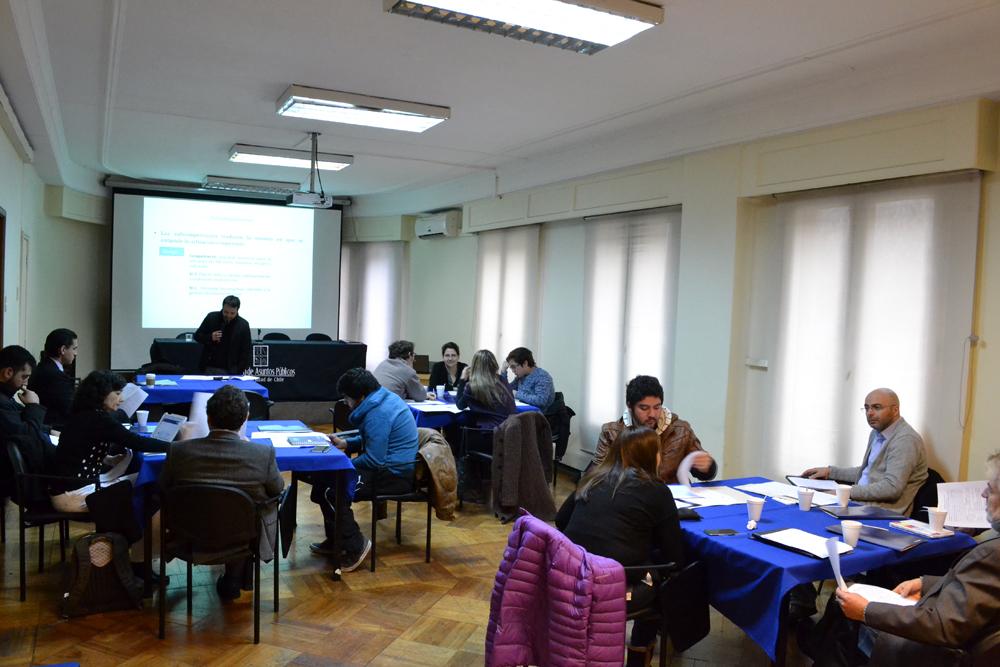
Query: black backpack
point(100, 577)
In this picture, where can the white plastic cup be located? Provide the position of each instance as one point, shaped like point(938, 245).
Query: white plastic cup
point(189, 337)
point(805, 499)
point(440, 392)
point(851, 530)
point(142, 416)
point(936, 517)
point(150, 379)
point(754, 507)
point(843, 494)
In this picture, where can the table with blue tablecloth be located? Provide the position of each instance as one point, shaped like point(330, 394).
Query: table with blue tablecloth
point(749, 579)
point(183, 390)
point(440, 414)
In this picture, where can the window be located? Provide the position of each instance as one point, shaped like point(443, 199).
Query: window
point(372, 295)
point(507, 295)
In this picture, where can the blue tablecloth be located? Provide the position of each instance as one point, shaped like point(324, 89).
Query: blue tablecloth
point(438, 420)
point(184, 389)
point(293, 459)
point(748, 579)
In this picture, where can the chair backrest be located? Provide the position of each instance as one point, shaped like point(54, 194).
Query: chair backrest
point(683, 599)
point(422, 363)
point(232, 522)
point(341, 413)
point(477, 440)
point(276, 335)
point(26, 457)
point(260, 409)
point(318, 336)
point(926, 495)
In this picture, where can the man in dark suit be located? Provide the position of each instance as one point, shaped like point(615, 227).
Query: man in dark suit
point(225, 339)
point(225, 458)
point(50, 380)
point(24, 419)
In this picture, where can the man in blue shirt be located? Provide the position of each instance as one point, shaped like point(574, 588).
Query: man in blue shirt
point(386, 445)
point(531, 385)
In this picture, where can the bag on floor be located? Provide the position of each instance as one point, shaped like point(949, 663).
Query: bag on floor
point(100, 577)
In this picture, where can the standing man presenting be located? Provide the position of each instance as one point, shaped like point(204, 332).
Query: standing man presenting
point(54, 386)
point(895, 464)
point(225, 337)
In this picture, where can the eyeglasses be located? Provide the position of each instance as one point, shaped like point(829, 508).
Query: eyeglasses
point(877, 407)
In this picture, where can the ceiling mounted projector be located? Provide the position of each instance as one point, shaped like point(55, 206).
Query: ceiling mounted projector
point(309, 200)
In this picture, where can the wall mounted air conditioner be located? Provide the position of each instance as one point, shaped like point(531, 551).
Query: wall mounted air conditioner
point(445, 223)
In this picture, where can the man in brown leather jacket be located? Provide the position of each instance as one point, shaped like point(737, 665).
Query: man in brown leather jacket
point(644, 398)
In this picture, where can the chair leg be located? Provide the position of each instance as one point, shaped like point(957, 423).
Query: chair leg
point(3, 520)
point(371, 556)
point(256, 600)
point(277, 556)
point(162, 602)
point(427, 559)
point(190, 590)
point(41, 547)
point(63, 535)
point(22, 555)
point(399, 522)
point(663, 646)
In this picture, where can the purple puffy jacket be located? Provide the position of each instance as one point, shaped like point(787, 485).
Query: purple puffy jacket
point(554, 604)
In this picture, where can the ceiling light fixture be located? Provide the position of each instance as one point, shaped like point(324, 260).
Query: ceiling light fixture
point(287, 157)
point(254, 185)
point(337, 107)
point(584, 26)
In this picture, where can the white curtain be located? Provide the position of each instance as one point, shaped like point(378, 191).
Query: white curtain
point(630, 288)
point(854, 289)
point(507, 294)
point(373, 295)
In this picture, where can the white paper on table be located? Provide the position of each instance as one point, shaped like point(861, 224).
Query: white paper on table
point(198, 417)
point(197, 377)
point(786, 493)
point(879, 594)
point(803, 541)
point(815, 484)
point(833, 552)
point(132, 398)
point(434, 406)
point(708, 496)
point(281, 439)
point(166, 383)
point(964, 504)
point(684, 467)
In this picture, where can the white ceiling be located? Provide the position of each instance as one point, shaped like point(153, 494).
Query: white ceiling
point(160, 89)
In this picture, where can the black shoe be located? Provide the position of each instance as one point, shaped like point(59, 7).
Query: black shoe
point(227, 592)
point(354, 561)
point(324, 548)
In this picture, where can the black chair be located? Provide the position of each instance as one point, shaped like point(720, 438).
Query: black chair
point(128, 374)
point(422, 363)
point(232, 530)
point(559, 417)
point(340, 413)
point(276, 335)
point(926, 495)
point(476, 445)
point(420, 493)
point(3, 520)
point(184, 334)
point(260, 407)
point(35, 509)
point(680, 607)
point(319, 336)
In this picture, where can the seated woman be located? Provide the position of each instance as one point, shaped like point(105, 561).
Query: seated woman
point(91, 433)
point(448, 371)
point(484, 393)
point(621, 510)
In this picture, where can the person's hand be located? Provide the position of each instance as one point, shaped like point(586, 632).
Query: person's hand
point(338, 442)
point(431, 396)
point(702, 462)
point(28, 397)
point(852, 604)
point(910, 588)
point(217, 336)
point(465, 373)
point(503, 369)
point(817, 473)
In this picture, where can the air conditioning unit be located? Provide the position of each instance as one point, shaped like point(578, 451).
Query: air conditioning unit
point(445, 223)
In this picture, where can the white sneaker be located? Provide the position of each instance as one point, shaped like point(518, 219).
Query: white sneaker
point(355, 564)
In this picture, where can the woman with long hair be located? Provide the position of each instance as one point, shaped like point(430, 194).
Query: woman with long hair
point(621, 510)
point(481, 390)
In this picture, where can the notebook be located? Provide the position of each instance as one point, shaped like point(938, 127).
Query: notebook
point(862, 512)
point(883, 537)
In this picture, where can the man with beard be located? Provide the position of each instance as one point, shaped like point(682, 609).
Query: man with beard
point(644, 401)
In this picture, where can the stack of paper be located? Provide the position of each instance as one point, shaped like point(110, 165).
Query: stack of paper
point(281, 439)
point(786, 493)
point(867, 591)
point(964, 503)
point(708, 496)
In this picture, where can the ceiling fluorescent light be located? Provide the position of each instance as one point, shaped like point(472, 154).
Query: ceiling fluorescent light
point(337, 107)
point(287, 157)
point(254, 185)
point(584, 26)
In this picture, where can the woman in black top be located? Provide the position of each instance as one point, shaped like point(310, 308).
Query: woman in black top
point(91, 433)
point(622, 511)
point(448, 371)
point(481, 390)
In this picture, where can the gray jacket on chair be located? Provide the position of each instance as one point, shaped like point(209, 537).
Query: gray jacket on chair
point(897, 473)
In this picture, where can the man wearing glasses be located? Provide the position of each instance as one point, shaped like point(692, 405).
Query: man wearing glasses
point(895, 464)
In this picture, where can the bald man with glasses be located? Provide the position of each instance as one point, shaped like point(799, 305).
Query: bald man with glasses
point(895, 463)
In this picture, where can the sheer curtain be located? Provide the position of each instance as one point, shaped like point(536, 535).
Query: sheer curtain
point(630, 288)
point(851, 290)
point(372, 295)
point(507, 294)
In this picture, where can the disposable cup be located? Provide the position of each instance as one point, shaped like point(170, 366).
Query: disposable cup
point(754, 507)
point(440, 392)
point(805, 499)
point(851, 531)
point(936, 517)
point(150, 379)
point(843, 494)
point(142, 416)
point(189, 337)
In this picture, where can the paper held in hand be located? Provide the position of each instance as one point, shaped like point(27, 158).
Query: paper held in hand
point(964, 503)
point(868, 592)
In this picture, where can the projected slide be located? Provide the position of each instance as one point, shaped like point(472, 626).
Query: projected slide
point(194, 253)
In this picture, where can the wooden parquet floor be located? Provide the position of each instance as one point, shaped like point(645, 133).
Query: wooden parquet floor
point(407, 613)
